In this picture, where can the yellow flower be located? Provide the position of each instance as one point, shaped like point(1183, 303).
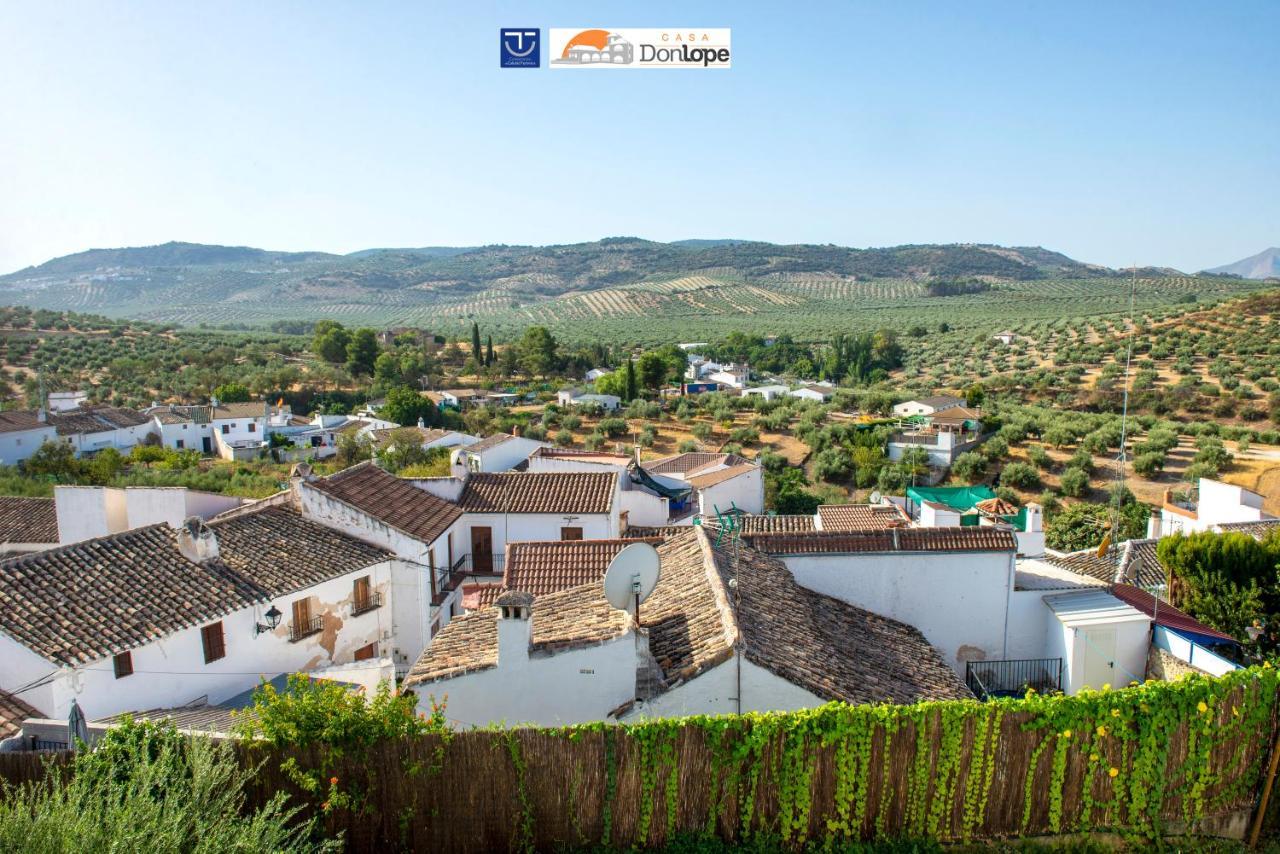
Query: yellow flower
point(1202, 706)
point(1093, 757)
point(1106, 686)
point(1113, 772)
point(1235, 711)
point(1066, 733)
point(1115, 713)
point(1266, 665)
point(1102, 730)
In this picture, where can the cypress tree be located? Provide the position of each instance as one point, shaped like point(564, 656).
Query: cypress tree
point(476, 352)
point(630, 392)
point(488, 353)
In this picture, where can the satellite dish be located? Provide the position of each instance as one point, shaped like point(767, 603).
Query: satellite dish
point(875, 497)
point(632, 575)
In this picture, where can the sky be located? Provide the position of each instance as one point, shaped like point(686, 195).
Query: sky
point(1117, 133)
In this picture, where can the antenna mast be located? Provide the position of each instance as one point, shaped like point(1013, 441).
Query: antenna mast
point(1122, 457)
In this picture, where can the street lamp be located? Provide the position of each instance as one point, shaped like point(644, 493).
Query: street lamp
point(273, 616)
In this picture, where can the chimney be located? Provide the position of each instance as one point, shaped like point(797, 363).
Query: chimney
point(515, 628)
point(196, 541)
point(421, 424)
point(1035, 518)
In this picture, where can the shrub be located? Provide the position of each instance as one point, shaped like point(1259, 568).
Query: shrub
point(969, 467)
point(1148, 464)
point(832, 465)
point(593, 442)
point(688, 446)
point(1020, 476)
point(564, 438)
point(702, 431)
point(148, 788)
point(613, 427)
point(1074, 482)
point(995, 448)
point(1039, 456)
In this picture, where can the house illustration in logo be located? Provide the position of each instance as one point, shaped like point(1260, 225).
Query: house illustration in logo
point(597, 47)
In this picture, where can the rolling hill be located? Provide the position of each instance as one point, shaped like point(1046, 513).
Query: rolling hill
point(622, 287)
point(1264, 265)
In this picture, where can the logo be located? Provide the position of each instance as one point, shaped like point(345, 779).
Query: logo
point(519, 48)
point(639, 48)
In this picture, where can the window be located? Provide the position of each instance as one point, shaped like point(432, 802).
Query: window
point(252, 427)
point(570, 533)
point(178, 443)
point(304, 624)
point(302, 612)
point(123, 664)
point(215, 646)
point(226, 428)
point(365, 653)
point(362, 596)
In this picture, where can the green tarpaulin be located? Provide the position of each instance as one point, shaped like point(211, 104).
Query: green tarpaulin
point(963, 499)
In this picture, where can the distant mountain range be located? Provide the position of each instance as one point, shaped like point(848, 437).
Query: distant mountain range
point(512, 286)
point(1264, 265)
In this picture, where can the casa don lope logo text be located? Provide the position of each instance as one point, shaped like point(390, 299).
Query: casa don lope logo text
point(639, 48)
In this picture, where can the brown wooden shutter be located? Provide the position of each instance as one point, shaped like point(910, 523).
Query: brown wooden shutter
point(214, 644)
point(365, 653)
point(570, 533)
point(123, 664)
point(360, 592)
point(302, 614)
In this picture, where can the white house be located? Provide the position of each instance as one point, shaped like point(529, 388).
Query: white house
point(812, 391)
point(717, 483)
point(640, 504)
point(927, 405)
point(61, 401)
point(92, 429)
point(953, 584)
point(768, 392)
point(417, 526)
point(721, 633)
point(1006, 338)
point(596, 373)
point(499, 452)
point(239, 429)
point(572, 397)
point(734, 376)
point(431, 437)
point(1100, 639)
point(165, 618)
point(22, 432)
point(1214, 504)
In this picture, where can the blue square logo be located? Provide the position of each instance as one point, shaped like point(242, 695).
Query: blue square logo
point(520, 47)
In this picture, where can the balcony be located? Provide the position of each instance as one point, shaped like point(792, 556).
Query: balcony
point(1012, 678)
point(368, 603)
point(487, 566)
point(305, 628)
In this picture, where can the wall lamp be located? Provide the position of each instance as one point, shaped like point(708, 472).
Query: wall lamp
point(273, 616)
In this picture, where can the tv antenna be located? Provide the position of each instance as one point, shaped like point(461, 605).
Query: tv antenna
point(631, 577)
point(1108, 540)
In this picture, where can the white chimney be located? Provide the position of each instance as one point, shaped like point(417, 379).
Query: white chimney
point(421, 424)
point(1035, 518)
point(196, 541)
point(515, 628)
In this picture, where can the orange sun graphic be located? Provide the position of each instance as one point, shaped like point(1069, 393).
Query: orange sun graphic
point(598, 39)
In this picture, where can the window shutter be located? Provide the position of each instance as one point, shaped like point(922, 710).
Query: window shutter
point(214, 643)
point(123, 664)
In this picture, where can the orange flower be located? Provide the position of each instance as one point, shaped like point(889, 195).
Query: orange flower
point(333, 781)
point(325, 806)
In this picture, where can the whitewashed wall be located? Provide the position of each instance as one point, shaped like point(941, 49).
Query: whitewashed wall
point(514, 527)
point(745, 490)
point(19, 445)
point(644, 508)
point(958, 600)
point(172, 671)
point(713, 693)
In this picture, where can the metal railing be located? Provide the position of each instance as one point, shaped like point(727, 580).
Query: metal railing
point(368, 603)
point(41, 744)
point(465, 566)
point(1013, 677)
point(298, 631)
point(470, 564)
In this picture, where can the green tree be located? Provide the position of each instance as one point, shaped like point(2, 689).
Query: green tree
point(1083, 525)
point(362, 352)
point(405, 406)
point(652, 369)
point(1227, 580)
point(630, 388)
point(1019, 476)
point(52, 459)
point(538, 349)
point(476, 352)
point(232, 393)
point(969, 467)
point(1074, 482)
point(330, 341)
point(488, 353)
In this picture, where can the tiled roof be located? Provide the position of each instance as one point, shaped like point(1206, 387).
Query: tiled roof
point(477, 596)
point(1258, 529)
point(702, 481)
point(353, 425)
point(16, 420)
point(13, 711)
point(424, 434)
point(1165, 614)
point(545, 567)
point(983, 538)
point(79, 603)
point(995, 507)
point(690, 462)
point(782, 524)
point(489, 442)
point(861, 517)
point(571, 619)
point(96, 419)
point(279, 551)
point(828, 647)
point(170, 416)
point(28, 520)
point(937, 400)
point(539, 492)
point(1133, 561)
point(391, 500)
point(224, 411)
point(660, 532)
point(956, 414)
point(603, 457)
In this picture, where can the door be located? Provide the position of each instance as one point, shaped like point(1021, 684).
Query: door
point(481, 548)
point(1099, 656)
point(365, 653)
point(208, 444)
point(570, 533)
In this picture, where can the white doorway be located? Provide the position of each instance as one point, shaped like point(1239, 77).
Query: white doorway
point(1099, 656)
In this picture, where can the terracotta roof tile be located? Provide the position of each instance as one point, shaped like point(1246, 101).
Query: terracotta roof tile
point(79, 603)
point(28, 520)
point(968, 539)
point(1258, 529)
point(249, 409)
point(391, 500)
point(477, 596)
point(13, 711)
point(861, 517)
point(95, 419)
point(1134, 561)
point(539, 492)
point(489, 442)
point(546, 567)
point(702, 481)
point(15, 420)
point(1165, 614)
point(690, 462)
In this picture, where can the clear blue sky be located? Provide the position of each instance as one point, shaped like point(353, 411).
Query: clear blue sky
point(1114, 132)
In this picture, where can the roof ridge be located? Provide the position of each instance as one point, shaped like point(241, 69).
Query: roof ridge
point(728, 617)
point(60, 549)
